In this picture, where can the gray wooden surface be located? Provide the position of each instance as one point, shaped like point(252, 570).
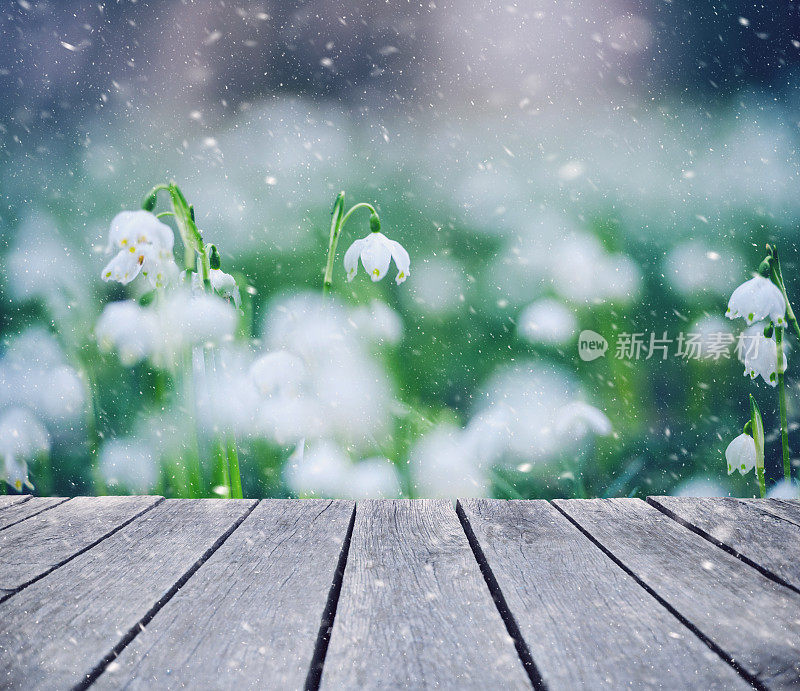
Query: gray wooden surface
point(758, 536)
point(571, 602)
point(414, 610)
point(17, 512)
point(739, 610)
point(249, 617)
point(146, 593)
point(33, 547)
point(10, 500)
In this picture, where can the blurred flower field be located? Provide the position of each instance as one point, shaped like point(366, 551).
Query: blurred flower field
point(634, 222)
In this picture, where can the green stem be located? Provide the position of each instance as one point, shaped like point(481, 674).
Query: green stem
point(337, 225)
point(233, 469)
point(787, 468)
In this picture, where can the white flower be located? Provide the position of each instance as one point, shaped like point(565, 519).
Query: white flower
point(444, 464)
point(127, 328)
point(145, 246)
point(22, 438)
point(376, 252)
point(129, 464)
point(378, 322)
point(785, 489)
point(741, 454)
point(700, 487)
point(760, 354)
point(321, 470)
point(756, 300)
point(221, 283)
point(280, 373)
point(547, 321)
point(372, 478)
point(577, 419)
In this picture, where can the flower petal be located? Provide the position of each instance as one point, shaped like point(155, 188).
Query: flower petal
point(124, 267)
point(402, 261)
point(137, 227)
point(351, 259)
point(376, 255)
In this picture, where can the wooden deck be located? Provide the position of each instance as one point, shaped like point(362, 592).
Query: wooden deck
point(145, 592)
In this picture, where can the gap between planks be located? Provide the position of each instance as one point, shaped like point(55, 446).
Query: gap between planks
point(764, 571)
point(78, 553)
point(753, 681)
point(506, 615)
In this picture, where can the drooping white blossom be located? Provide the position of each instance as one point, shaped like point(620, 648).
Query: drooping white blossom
point(759, 354)
point(22, 438)
point(372, 478)
point(144, 245)
point(222, 284)
point(279, 372)
point(376, 252)
point(741, 454)
point(129, 464)
point(785, 489)
point(547, 321)
point(321, 470)
point(34, 374)
point(378, 323)
point(577, 419)
point(129, 329)
point(756, 300)
point(444, 464)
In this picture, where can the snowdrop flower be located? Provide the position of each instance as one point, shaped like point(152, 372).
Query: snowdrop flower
point(547, 321)
point(373, 478)
point(444, 465)
point(129, 464)
point(129, 329)
point(22, 438)
point(577, 419)
point(376, 252)
point(756, 300)
point(693, 267)
point(145, 246)
point(785, 489)
point(741, 454)
point(378, 322)
point(186, 320)
point(222, 284)
point(321, 470)
point(760, 354)
point(700, 487)
point(279, 372)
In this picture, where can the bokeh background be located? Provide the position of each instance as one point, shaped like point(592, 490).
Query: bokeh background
point(551, 166)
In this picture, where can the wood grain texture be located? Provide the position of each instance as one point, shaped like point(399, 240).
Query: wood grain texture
point(749, 617)
point(11, 499)
point(40, 543)
point(786, 509)
point(572, 603)
point(250, 616)
point(414, 609)
point(61, 628)
point(18, 512)
point(745, 528)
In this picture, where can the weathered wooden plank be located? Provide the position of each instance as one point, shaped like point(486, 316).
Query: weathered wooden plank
point(17, 513)
point(747, 616)
point(586, 622)
point(787, 509)
point(758, 536)
point(251, 614)
point(11, 499)
point(414, 609)
point(62, 629)
point(39, 544)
